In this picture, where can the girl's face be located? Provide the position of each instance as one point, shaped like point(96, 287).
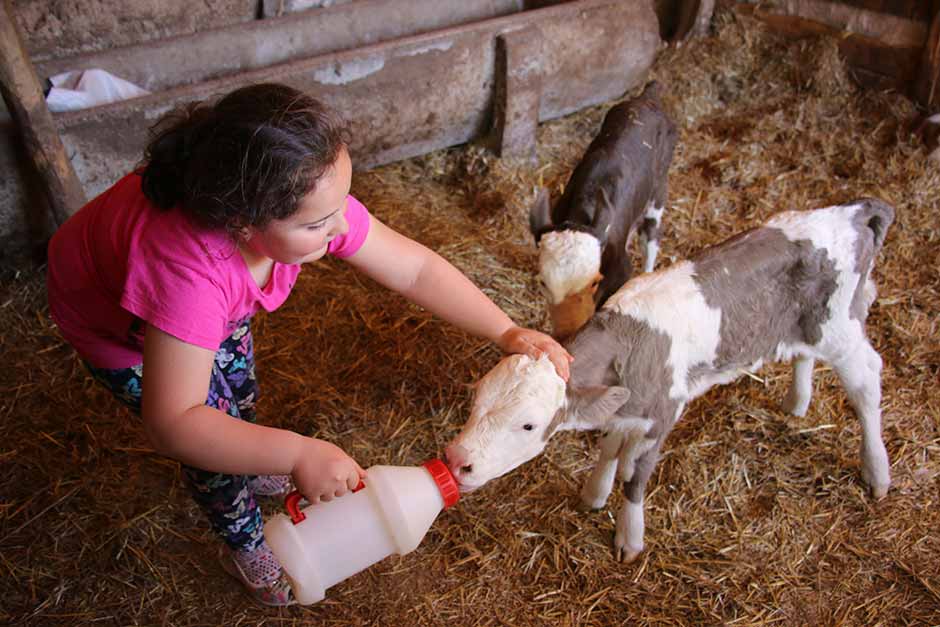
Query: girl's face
point(303, 237)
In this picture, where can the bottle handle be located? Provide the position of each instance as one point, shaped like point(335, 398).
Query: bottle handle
point(292, 504)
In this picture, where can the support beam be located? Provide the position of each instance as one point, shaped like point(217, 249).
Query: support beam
point(517, 95)
point(927, 84)
point(890, 30)
point(695, 17)
point(872, 62)
point(24, 99)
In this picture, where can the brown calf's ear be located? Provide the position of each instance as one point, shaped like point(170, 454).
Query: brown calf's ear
point(603, 215)
point(540, 214)
point(594, 405)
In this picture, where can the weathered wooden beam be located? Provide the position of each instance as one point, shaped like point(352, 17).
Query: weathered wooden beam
point(890, 30)
point(24, 99)
point(921, 10)
point(927, 85)
point(411, 95)
point(209, 54)
point(680, 20)
point(518, 90)
point(871, 61)
point(695, 16)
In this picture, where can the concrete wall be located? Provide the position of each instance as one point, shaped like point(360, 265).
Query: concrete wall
point(405, 93)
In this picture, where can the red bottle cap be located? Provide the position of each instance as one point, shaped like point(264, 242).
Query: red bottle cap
point(444, 480)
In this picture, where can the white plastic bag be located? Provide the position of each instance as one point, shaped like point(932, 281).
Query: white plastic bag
point(83, 89)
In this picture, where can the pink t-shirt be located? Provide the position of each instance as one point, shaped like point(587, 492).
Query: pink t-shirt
point(120, 260)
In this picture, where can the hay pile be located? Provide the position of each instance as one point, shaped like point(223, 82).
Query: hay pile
point(753, 516)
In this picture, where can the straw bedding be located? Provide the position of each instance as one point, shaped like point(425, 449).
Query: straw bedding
point(753, 516)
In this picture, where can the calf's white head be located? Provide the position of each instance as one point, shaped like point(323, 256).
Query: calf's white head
point(569, 270)
point(518, 405)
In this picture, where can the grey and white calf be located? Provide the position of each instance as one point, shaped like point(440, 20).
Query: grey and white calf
point(617, 189)
point(797, 288)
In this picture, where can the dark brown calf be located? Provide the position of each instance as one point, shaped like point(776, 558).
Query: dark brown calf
point(618, 188)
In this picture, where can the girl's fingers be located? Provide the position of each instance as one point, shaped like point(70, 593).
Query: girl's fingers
point(561, 366)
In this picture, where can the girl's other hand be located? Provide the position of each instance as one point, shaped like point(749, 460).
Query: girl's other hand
point(324, 471)
point(534, 344)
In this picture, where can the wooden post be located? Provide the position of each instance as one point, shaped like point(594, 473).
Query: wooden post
point(24, 99)
point(927, 83)
point(518, 94)
point(695, 17)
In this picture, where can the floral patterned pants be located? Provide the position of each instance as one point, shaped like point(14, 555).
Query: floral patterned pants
point(226, 499)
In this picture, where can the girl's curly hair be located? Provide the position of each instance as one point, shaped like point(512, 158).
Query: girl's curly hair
point(245, 160)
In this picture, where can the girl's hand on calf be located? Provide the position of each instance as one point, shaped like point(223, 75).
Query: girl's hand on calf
point(323, 471)
point(534, 344)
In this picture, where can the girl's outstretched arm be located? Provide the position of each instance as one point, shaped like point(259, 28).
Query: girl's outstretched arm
point(428, 280)
point(180, 425)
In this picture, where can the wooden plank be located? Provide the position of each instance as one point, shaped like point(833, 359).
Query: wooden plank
point(888, 29)
point(695, 16)
point(411, 95)
point(872, 63)
point(920, 10)
point(518, 90)
point(682, 19)
point(27, 105)
point(927, 85)
point(210, 54)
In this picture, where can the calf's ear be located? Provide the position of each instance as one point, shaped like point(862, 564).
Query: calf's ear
point(593, 406)
point(603, 214)
point(540, 214)
point(557, 420)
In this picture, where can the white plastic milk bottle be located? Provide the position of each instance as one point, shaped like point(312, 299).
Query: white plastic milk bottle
point(387, 513)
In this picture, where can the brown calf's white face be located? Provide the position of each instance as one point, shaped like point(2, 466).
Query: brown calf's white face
point(569, 272)
point(514, 406)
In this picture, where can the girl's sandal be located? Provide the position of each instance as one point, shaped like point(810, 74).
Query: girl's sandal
point(260, 573)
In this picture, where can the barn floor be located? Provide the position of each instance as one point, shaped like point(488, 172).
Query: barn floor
point(753, 517)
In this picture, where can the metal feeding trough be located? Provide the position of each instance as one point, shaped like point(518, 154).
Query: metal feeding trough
point(411, 76)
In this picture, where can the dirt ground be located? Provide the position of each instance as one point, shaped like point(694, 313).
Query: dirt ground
point(754, 517)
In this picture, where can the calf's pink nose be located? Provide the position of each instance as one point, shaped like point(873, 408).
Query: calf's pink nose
point(456, 457)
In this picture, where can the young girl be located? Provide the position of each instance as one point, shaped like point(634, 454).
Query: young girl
point(166, 268)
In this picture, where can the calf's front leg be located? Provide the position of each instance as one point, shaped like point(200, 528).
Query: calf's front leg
point(631, 527)
point(801, 388)
point(650, 230)
point(598, 486)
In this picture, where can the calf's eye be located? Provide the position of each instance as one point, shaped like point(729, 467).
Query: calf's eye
point(528, 427)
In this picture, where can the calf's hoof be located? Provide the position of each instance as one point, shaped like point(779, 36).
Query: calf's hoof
point(590, 502)
point(626, 554)
point(794, 406)
point(879, 490)
point(877, 474)
point(624, 551)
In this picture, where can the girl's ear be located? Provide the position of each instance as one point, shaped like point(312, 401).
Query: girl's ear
point(245, 233)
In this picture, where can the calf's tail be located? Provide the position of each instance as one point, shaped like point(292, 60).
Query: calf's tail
point(876, 215)
point(871, 219)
